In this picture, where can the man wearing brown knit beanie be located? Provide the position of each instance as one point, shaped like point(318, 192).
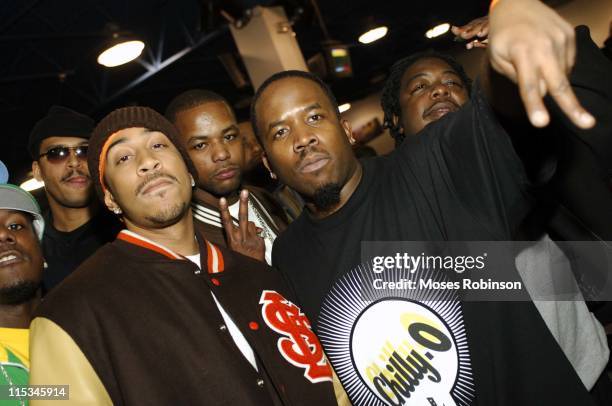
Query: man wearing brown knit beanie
point(162, 316)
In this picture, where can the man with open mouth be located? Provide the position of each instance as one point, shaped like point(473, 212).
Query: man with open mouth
point(426, 86)
point(21, 270)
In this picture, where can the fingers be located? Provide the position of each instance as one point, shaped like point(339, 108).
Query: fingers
point(539, 75)
point(226, 218)
point(529, 89)
point(243, 213)
point(475, 28)
point(561, 91)
point(477, 44)
point(252, 229)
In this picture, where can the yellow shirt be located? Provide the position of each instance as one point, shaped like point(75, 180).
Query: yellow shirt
point(15, 359)
point(15, 340)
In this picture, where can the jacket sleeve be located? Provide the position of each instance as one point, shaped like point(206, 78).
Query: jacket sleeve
point(55, 359)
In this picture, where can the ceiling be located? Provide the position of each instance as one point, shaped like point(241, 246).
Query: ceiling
point(49, 51)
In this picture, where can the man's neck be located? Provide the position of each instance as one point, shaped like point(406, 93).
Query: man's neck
point(179, 237)
point(18, 316)
point(213, 200)
point(345, 194)
point(68, 219)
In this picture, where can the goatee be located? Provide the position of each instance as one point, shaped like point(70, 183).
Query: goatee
point(327, 196)
point(20, 292)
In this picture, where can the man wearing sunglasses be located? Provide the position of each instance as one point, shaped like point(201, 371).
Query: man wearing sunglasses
point(75, 229)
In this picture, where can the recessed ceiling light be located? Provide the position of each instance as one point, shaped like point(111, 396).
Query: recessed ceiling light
point(438, 30)
point(121, 53)
point(32, 184)
point(373, 35)
point(344, 107)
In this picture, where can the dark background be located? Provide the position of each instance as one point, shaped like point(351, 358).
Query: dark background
point(49, 51)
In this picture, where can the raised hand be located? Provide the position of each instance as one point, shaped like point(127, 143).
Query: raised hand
point(534, 47)
point(476, 30)
point(243, 238)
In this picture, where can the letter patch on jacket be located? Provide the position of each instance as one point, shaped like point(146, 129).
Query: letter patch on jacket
point(300, 346)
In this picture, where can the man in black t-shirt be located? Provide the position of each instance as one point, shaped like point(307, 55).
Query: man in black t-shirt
point(461, 181)
point(75, 227)
point(423, 88)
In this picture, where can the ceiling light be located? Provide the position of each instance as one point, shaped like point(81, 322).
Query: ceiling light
point(32, 184)
point(121, 53)
point(344, 107)
point(373, 35)
point(438, 30)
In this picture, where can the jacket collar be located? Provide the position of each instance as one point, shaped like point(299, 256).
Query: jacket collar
point(214, 257)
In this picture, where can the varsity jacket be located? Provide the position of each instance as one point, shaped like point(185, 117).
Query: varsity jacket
point(137, 324)
point(208, 218)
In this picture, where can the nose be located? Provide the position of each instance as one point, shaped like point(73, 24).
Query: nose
point(148, 163)
point(6, 236)
point(219, 152)
point(73, 160)
point(304, 138)
point(440, 90)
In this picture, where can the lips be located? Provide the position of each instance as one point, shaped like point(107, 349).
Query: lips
point(77, 180)
point(226, 173)
point(155, 185)
point(440, 109)
point(10, 257)
point(313, 162)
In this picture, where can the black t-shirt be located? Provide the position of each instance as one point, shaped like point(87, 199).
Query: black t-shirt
point(459, 181)
point(65, 251)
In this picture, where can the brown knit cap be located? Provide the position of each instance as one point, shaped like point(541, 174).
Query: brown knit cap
point(129, 117)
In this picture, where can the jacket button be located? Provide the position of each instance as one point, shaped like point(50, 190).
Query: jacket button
point(222, 327)
point(260, 383)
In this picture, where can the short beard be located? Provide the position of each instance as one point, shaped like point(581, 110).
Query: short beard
point(327, 196)
point(168, 216)
point(19, 293)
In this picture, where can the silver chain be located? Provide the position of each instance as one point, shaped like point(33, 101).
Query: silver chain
point(265, 233)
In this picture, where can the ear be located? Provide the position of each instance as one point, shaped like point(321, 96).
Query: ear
point(346, 126)
point(396, 123)
point(110, 202)
point(36, 171)
point(264, 158)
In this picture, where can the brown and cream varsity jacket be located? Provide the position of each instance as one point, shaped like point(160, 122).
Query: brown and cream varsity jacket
point(136, 324)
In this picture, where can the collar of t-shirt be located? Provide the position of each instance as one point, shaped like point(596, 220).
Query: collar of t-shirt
point(237, 336)
point(51, 231)
point(353, 203)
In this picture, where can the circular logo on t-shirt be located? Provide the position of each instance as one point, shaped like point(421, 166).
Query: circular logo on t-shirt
point(396, 346)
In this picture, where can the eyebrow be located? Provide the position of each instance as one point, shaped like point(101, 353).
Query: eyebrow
point(124, 139)
point(232, 127)
point(421, 74)
point(313, 106)
point(86, 142)
point(203, 137)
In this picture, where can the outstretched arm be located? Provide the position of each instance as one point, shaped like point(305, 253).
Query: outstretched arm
point(531, 45)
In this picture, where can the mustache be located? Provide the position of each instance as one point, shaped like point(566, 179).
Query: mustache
point(224, 168)
point(150, 178)
point(309, 150)
point(73, 173)
point(433, 106)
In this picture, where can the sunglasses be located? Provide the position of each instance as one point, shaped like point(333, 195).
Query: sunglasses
point(61, 153)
